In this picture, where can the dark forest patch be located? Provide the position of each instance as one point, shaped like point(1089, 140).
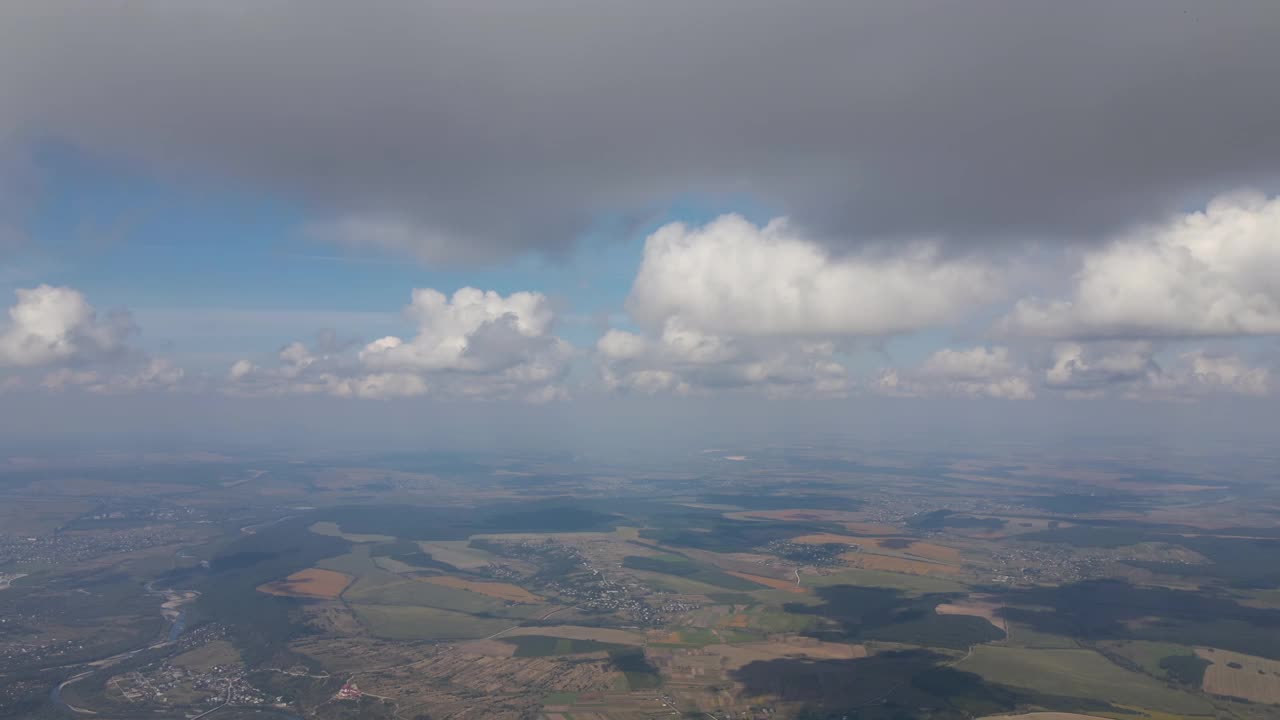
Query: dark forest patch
point(856, 613)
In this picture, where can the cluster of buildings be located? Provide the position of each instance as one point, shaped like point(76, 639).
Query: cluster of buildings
point(168, 684)
point(821, 555)
point(1046, 564)
point(61, 549)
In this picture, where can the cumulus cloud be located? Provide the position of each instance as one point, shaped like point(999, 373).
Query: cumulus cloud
point(975, 372)
point(49, 325)
point(734, 278)
point(685, 362)
point(734, 305)
point(56, 340)
point(1210, 273)
point(474, 344)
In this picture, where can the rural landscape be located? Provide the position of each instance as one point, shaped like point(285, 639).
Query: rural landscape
point(788, 582)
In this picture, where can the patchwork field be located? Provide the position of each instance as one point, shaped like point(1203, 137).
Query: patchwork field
point(1243, 676)
point(889, 563)
point(399, 622)
point(501, 591)
point(547, 646)
point(789, 586)
point(575, 632)
point(418, 592)
point(309, 583)
point(881, 578)
point(735, 656)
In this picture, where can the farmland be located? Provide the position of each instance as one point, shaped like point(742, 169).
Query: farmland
point(1081, 673)
point(484, 597)
point(1242, 676)
point(310, 583)
point(403, 622)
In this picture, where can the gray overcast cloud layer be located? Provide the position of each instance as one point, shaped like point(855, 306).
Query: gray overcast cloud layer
point(477, 130)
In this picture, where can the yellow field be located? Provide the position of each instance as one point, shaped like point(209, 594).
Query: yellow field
point(897, 564)
point(941, 553)
point(1257, 679)
point(768, 581)
point(502, 591)
point(310, 583)
point(976, 606)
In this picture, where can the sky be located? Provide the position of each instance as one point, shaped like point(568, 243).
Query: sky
point(292, 220)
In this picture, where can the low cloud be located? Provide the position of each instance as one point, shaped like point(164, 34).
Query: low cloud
point(1210, 273)
point(51, 325)
point(475, 344)
point(1131, 370)
point(732, 277)
point(975, 372)
point(56, 340)
point(733, 305)
point(157, 374)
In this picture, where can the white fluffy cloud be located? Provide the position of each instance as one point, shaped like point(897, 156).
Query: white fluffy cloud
point(52, 325)
point(685, 361)
point(731, 277)
point(975, 372)
point(1211, 273)
point(734, 305)
point(56, 340)
point(475, 344)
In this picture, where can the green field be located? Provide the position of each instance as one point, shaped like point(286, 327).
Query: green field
point(674, 583)
point(397, 622)
point(424, 594)
point(356, 563)
point(1024, 637)
point(684, 568)
point(457, 553)
point(916, 584)
point(1079, 673)
point(545, 646)
point(333, 530)
point(775, 621)
point(1146, 655)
